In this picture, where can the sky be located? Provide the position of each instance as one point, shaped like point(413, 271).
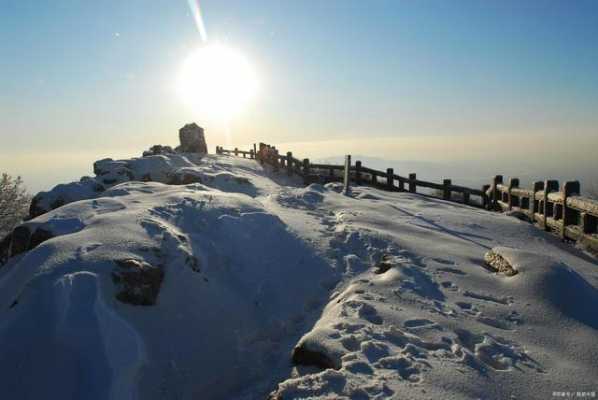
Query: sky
point(509, 84)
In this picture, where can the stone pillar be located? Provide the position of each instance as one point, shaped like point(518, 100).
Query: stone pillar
point(192, 139)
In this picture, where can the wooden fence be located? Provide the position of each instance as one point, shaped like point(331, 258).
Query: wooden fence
point(358, 174)
point(562, 211)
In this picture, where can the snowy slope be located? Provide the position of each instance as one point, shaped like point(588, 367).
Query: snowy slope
point(157, 290)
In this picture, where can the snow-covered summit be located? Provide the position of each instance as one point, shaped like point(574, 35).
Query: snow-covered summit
point(189, 276)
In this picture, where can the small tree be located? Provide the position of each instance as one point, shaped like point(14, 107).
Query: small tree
point(14, 203)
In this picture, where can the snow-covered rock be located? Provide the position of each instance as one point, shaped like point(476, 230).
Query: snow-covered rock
point(158, 168)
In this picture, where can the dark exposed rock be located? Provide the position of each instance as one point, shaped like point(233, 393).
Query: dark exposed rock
point(192, 139)
point(5, 248)
point(39, 236)
point(185, 178)
point(20, 240)
point(193, 262)
point(383, 265)
point(34, 208)
point(59, 202)
point(138, 281)
point(274, 396)
point(98, 166)
point(158, 149)
point(304, 356)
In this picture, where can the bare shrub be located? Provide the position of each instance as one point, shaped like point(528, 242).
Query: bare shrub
point(14, 203)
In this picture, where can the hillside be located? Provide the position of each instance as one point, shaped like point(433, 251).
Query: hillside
point(176, 276)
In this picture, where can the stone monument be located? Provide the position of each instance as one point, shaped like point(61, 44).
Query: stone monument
point(192, 139)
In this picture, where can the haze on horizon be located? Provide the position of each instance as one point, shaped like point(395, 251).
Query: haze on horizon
point(509, 85)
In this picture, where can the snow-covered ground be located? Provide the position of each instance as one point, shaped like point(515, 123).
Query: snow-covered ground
point(209, 290)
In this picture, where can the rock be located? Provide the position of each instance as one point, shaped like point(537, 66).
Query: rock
point(274, 396)
point(139, 282)
point(35, 208)
point(101, 167)
point(20, 240)
point(185, 177)
point(39, 236)
point(304, 356)
point(5, 248)
point(192, 139)
point(499, 263)
point(158, 149)
point(383, 265)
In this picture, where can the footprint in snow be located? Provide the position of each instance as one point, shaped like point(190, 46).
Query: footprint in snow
point(450, 286)
point(489, 298)
point(421, 323)
point(469, 308)
point(443, 261)
point(451, 270)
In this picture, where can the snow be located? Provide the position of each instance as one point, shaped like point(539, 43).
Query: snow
point(389, 289)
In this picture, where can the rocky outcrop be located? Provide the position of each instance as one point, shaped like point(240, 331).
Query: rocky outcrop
point(23, 238)
point(192, 139)
point(20, 240)
point(158, 149)
point(63, 194)
point(158, 164)
point(138, 282)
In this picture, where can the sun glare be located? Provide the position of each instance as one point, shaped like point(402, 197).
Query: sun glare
point(216, 81)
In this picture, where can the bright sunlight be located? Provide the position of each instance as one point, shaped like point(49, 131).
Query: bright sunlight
point(217, 81)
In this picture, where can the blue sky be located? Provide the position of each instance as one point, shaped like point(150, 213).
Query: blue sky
point(80, 80)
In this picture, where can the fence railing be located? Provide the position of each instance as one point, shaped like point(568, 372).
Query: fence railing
point(358, 174)
point(562, 211)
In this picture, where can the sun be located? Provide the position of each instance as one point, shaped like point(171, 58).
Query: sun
point(216, 81)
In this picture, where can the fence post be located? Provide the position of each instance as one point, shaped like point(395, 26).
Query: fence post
point(254, 149)
point(346, 174)
point(549, 187)
point(401, 185)
point(358, 172)
point(466, 197)
point(513, 183)
point(289, 163)
point(260, 154)
point(534, 202)
point(412, 185)
point(390, 178)
point(305, 167)
point(497, 180)
point(446, 190)
point(571, 188)
point(588, 224)
point(485, 202)
point(374, 179)
point(251, 154)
